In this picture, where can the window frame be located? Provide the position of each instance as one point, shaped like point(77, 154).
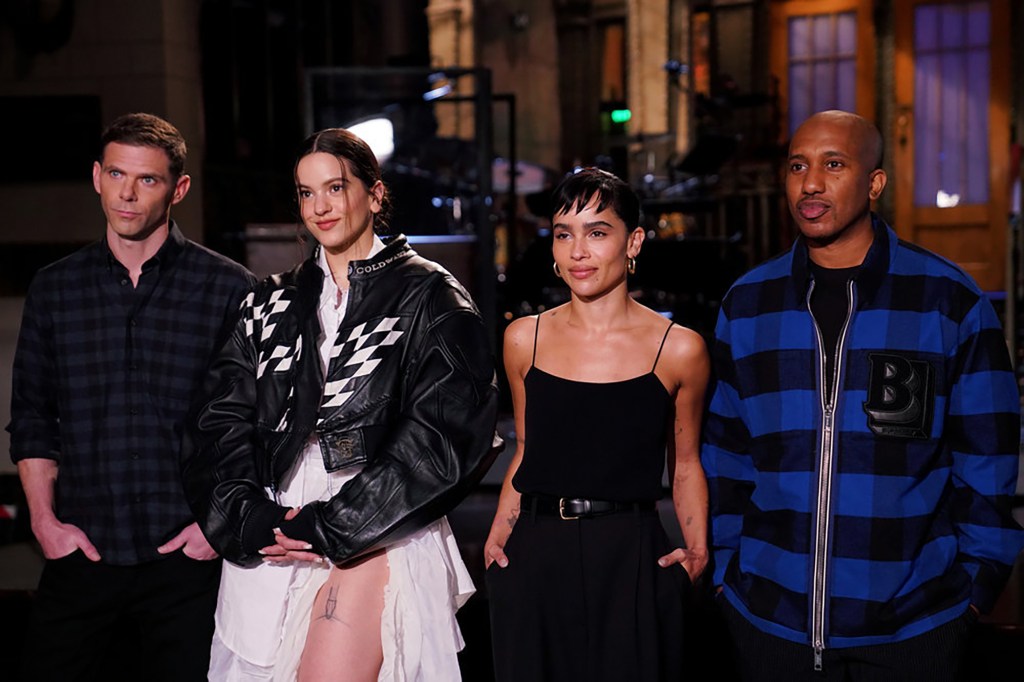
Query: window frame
point(864, 69)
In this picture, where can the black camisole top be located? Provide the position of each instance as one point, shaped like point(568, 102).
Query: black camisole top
point(601, 441)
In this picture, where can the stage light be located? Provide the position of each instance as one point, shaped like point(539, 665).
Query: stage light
point(379, 133)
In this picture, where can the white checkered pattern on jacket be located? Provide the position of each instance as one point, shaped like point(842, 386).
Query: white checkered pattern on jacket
point(286, 416)
point(278, 358)
point(361, 345)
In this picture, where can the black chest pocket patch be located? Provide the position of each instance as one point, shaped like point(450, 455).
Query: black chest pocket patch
point(901, 395)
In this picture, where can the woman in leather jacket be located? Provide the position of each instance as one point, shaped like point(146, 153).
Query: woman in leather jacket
point(352, 406)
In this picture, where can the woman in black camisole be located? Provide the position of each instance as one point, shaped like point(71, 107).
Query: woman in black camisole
point(581, 579)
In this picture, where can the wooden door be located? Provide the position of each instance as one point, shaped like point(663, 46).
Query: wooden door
point(951, 146)
point(823, 57)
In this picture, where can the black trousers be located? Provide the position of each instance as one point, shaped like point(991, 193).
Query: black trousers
point(94, 621)
point(586, 601)
point(934, 656)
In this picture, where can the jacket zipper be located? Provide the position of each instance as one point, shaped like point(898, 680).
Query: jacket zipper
point(823, 527)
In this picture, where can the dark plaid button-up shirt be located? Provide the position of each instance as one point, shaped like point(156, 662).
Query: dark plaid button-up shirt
point(103, 376)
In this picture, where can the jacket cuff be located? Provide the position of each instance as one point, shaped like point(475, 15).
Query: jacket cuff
point(303, 527)
point(258, 529)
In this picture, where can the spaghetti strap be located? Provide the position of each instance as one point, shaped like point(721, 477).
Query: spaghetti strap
point(663, 339)
point(536, 329)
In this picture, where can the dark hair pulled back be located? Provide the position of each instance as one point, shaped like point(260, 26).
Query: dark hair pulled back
point(345, 146)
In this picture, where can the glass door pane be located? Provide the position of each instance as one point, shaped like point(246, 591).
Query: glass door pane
point(822, 64)
point(951, 94)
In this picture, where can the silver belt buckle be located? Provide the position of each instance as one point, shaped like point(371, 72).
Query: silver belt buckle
point(561, 511)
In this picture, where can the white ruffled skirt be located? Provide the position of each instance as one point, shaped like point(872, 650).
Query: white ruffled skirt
point(263, 612)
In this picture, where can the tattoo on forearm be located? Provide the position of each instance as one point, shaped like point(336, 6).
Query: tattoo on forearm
point(513, 517)
point(689, 520)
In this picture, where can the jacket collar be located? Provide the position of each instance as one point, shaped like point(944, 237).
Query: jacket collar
point(871, 273)
point(396, 249)
point(330, 293)
point(309, 277)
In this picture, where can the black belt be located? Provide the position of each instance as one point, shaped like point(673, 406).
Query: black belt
point(569, 508)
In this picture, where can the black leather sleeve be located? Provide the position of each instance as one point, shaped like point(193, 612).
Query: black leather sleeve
point(219, 456)
point(440, 446)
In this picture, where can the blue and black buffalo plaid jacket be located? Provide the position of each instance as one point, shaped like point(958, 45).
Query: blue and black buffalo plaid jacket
point(886, 513)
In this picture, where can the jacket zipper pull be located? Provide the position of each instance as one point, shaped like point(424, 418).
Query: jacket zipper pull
point(817, 658)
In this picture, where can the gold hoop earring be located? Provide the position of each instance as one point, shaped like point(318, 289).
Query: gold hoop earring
point(558, 273)
point(631, 265)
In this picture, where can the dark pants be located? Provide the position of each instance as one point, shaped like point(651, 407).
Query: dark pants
point(93, 621)
point(935, 656)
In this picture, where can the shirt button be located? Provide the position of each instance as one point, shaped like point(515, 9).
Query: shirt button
point(133, 411)
point(135, 454)
point(124, 282)
point(138, 498)
point(133, 323)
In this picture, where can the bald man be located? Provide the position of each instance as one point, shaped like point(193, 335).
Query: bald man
point(862, 439)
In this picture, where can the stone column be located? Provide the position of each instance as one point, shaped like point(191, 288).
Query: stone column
point(647, 50)
point(452, 44)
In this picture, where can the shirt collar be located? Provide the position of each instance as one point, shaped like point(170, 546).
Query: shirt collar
point(330, 294)
point(871, 273)
point(165, 255)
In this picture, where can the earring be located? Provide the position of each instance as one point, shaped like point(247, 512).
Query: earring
point(558, 273)
point(631, 265)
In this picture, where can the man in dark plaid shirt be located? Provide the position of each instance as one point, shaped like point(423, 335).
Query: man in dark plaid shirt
point(862, 440)
point(113, 340)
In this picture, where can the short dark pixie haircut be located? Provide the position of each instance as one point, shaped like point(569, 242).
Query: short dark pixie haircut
point(346, 146)
point(147, 130)
point(577, 190)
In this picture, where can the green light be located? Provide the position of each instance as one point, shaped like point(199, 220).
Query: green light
point(621, 115)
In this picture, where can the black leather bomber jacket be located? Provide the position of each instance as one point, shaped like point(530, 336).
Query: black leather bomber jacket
point(410, 393)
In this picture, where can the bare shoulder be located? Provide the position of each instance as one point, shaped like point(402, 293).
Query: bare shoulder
point(518, 342)
point(520, 332)
point(685, 342)
point(685, 356)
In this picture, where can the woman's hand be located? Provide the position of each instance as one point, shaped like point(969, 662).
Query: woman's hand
point(494, 548)
point(493, 552)
point(287, 549)
point(693, 560)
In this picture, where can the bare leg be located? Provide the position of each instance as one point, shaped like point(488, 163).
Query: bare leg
point(343, 643)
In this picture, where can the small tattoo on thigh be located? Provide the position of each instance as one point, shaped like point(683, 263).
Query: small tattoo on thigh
point(330, 605)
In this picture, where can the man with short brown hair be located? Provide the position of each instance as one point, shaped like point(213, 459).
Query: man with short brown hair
point(113, 341)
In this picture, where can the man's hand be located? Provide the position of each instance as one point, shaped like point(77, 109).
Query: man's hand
point(58, 540)
point(192, 542)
